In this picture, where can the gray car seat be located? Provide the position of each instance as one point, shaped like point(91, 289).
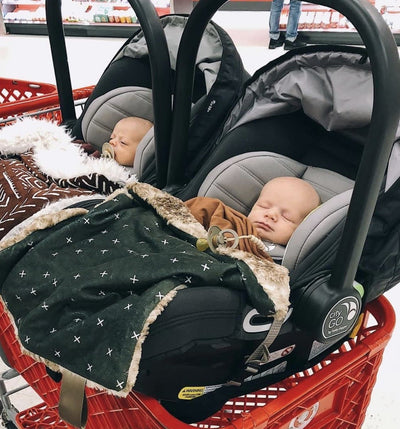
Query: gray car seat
point(124, 89)
point(238, 182)
point(305, 106)
point(310, 251)
point(104, 112)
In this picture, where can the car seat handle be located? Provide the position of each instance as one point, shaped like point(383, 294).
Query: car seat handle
point(161, 82)
point(385, 67)
point(331, 304)
point(160, 73)
point(185, 69)
point(55, 30)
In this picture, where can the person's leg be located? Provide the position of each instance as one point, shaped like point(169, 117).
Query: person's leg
point(293, 20)
point(274, 18)
point(291, 41)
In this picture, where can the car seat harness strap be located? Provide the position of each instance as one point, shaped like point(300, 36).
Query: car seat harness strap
point(221, 237)
point(260, 356)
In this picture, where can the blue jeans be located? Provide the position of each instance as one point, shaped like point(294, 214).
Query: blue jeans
point(293, 19)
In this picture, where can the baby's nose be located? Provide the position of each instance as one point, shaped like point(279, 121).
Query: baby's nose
point(271, 213)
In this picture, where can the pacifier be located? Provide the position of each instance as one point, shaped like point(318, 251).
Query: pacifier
point(107, 151)
point(217, 237)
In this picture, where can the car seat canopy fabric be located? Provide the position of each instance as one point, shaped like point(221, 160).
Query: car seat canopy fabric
point(327, 86)
point(210, 50)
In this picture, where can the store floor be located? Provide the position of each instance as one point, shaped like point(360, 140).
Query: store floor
point(29, 58)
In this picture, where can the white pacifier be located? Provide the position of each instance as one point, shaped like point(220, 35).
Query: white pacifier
point(107, 151)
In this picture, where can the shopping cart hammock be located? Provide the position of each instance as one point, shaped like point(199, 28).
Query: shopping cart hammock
point(84, 288)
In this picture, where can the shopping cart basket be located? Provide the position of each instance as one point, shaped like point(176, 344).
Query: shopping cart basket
point(333, 394)
point(12, 90)
point(23, 98)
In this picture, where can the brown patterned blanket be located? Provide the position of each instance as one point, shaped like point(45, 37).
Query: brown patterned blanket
point(39, 165)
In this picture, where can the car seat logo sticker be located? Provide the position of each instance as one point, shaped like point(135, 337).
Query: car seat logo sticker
point(304, 418)
point(341, 317)
point(251, 317)
point(190, 392)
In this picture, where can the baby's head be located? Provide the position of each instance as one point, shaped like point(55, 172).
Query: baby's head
point(281, 206)
point(125, 138)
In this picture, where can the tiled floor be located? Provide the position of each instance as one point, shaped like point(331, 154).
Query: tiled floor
point(29, 58)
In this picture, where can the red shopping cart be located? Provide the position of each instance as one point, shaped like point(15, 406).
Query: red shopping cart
point(333, 394)
point(25, 98)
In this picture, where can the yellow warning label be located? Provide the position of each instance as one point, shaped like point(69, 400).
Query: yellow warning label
point(191, 392)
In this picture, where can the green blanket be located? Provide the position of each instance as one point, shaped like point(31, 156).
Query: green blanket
point(83, 287)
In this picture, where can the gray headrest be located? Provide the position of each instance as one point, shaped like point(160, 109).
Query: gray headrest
point(145, 153)
point(314, 228)
point(238, 182)
point(105, 111)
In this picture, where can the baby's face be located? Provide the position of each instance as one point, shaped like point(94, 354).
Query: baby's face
point(282, 205)
point(125, 140)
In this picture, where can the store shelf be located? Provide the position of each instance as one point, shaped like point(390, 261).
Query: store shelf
point(81, 30)
point(336, 37)
point(109, 18)
point(318, 24)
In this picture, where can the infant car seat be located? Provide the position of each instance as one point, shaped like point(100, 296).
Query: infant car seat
point(202, 355)
point(315, 107)
point(124, 89)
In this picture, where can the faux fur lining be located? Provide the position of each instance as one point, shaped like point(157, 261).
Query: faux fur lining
point(54, 151)
point(170, 208)
point(272, 277)
point(39, 223)
point(29, 133)
point(134, 367)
